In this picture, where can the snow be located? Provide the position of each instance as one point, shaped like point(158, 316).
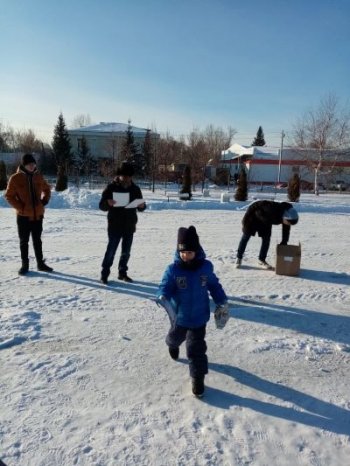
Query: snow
point(86, 376)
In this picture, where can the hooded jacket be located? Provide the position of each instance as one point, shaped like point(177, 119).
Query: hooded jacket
point(187, 289)
point(261, 215)
point(28, 193)
point(120, 219)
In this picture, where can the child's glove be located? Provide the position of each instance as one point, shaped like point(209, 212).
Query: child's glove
point(221, 315)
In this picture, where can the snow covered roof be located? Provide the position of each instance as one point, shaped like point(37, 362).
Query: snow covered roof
point(110, 127)
point(237, 150)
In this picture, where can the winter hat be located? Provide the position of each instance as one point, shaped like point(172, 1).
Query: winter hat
point(187, 239)
point(291, 215)
point(126, 169)
point(28, 158)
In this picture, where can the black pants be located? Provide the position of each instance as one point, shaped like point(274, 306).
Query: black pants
point(27, 227)
point(265, 244)
point(196, 347)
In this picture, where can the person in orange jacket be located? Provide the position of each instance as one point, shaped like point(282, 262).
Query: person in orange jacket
point(28, 192)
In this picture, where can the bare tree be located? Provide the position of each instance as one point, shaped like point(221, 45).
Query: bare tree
point(323, 134)
point(217, 140)
point(26, 141)
point(7, 138)
point(81, 120)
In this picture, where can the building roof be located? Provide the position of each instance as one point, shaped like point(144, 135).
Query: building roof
point(110, 127)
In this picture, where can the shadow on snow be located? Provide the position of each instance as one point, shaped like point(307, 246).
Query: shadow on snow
point(306, 409)
point(318, 324)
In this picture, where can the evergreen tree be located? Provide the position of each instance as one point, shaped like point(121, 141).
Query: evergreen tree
point(84, 162)
point(3, 177)
point(148, 153)
point(63, 153)
point(294, 188)
point(259, 138)
point(187, 182)
point(241, 193)
point(129, 149)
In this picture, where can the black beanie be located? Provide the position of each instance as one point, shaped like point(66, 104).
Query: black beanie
point(126, 169)
point(187, 239)
point(28, 158)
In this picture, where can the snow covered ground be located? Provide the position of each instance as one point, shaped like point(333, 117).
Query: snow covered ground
point(86, 378)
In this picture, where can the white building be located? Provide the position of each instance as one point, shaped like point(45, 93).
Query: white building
point(105, 140)
point(268, 165)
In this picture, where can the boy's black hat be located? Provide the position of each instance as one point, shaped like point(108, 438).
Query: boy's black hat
point(28, 158)
point(126, 169)
point(187, 239)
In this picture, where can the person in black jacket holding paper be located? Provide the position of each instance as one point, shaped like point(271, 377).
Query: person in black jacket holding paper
point(121, 220)
point(259, 218)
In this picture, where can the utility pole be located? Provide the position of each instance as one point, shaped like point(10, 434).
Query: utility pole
point(280, 158)
point(279, 162)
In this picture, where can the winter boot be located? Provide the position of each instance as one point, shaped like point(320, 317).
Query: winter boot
point(42, 267)
point(174, 353)
point(124, 277)
point(265, 265)
point(198, 386)
point(24, 269)
point(238, 263)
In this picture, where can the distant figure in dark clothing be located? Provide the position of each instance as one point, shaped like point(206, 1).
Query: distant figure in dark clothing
point(259, 218)
point(121, 221)
point(28, 192)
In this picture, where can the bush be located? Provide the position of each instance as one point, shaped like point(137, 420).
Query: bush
point(62, 180)
point(294, 188)
point(186, 182)
point(3, 177)
point(241, 193)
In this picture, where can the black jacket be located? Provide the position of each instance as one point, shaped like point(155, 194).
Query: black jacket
point(120, 219)
point(261, 215)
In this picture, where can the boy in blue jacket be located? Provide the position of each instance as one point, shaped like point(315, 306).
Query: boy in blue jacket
point(184, 293)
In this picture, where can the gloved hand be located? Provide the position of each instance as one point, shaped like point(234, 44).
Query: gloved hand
point(44, 202)
point(221, 315)
point(283, 243)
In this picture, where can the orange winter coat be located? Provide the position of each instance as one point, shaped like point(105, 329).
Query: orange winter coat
point(18, 194)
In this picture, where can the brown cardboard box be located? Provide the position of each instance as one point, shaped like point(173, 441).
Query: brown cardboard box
point(288, 259)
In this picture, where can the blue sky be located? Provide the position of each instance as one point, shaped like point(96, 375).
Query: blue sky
point(172, 65)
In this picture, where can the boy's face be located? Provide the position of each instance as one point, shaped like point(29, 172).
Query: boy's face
point(187, 256)
point(30, 167)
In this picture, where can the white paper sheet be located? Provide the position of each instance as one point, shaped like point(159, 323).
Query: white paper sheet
point(122, 199)
point(135, 203)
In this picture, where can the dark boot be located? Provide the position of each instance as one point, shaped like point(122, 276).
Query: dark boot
point(42, 267)
point(174, 353)
point(198, 386)
point(24, 269)
point(124, 277)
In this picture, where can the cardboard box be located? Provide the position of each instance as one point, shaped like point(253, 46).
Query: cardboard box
point(288, 259)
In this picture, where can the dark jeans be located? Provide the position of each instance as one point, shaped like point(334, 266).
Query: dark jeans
point(113, 242)
point(265, 244)
point(196, 347)
point(26, 228)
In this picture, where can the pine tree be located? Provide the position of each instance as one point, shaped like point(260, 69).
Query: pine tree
point(241, 193)
point(294, 188)
point(128, 149)
point(187, 182)
point(63, 153)
point(259, 138)
point(3, 177)
point(84, 161)
point(148, 153)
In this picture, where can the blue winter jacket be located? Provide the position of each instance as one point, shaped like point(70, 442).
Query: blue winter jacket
point(187, 290)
